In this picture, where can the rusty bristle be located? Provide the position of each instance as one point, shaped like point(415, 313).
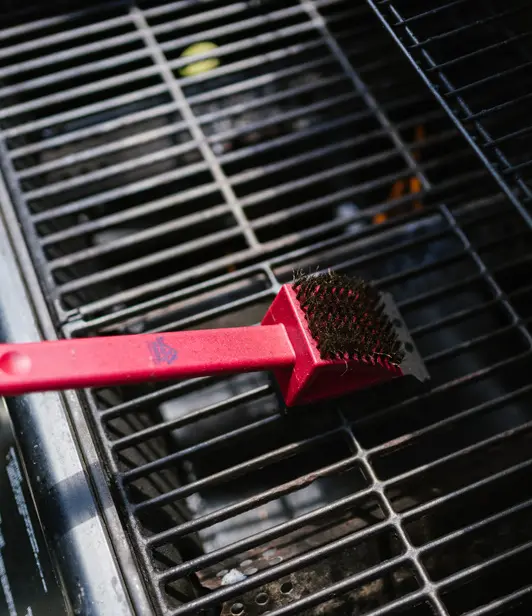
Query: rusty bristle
point(346, 317)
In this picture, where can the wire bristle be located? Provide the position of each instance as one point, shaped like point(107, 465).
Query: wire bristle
point(346, 317)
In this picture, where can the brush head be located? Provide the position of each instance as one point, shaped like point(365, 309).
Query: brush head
point(345, 335)
point(347, 319)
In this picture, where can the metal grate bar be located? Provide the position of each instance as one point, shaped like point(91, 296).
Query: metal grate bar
point(101, 198)
point(269, 78)
point(166, 393)
point(149, 260)
point(501, 139)
point(392, 409)
point(430, 13)
point(439, 293)
point(412, 551)
point(481, 524)
point(518, 167)
point(159, 285)
point(360, 86)
point(478, 446)
point(141, 236)
point(290, 115)
point(286, 52)
point(367, 185)
point(486, 274)
point(126, 99)
point(488, 80)
point(287, 187)
point(93, 108)
point(269, 495)
point(327, 227)
point(486, 112)
point(133, 213)
point(474, 342)
point(158, 156)
point(416, 271)
point(456, 418)
point(195, 129)
point(170, 7)
point(103, 150)
point(277, 571)
point(348, 584)
point(348, 193)
point(268, 100)
point(262, 537)
point(321, 128)
point(319, 152)
point(71, 93)
point(220, 31)
point(168, 426)
point(343, 265)
point(248, 44)
point(292, 138)
point(97, 129)
point(44, 215)
point(360, 262)
point(222, 12)
point(213, 443)
point(231, 9)
point(203, 16)
point(200, 318)
point(309, 206)
point(61, 56)
point(478, 52)
point(287, 163)
point(60, 36)
point(182, 295)
point(111, 62)
point(490, 562)
point(497, 605)
point(452, 319)
point(461, 29)
point(232, 472)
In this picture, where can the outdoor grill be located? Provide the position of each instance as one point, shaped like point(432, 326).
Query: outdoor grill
point(142, 191)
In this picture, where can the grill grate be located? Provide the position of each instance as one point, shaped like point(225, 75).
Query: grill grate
point(476, 59)
point(155, 200)
point(139, 184)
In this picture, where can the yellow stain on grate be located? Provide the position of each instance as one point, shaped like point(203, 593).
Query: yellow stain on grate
point(201, 66)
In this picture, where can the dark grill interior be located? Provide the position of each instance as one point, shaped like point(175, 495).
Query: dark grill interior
point(477, 57)
point(154, 199)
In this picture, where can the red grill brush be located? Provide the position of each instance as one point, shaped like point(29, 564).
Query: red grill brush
point(323, 336)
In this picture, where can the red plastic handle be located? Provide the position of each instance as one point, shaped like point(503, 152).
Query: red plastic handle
point(119, 360)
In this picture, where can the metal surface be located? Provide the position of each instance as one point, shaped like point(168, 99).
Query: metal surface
point(476, 58)
point(27, 576)
point(58, 482)
point(152, 200)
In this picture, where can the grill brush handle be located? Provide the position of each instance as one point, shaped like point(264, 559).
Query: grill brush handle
point(120, 360)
